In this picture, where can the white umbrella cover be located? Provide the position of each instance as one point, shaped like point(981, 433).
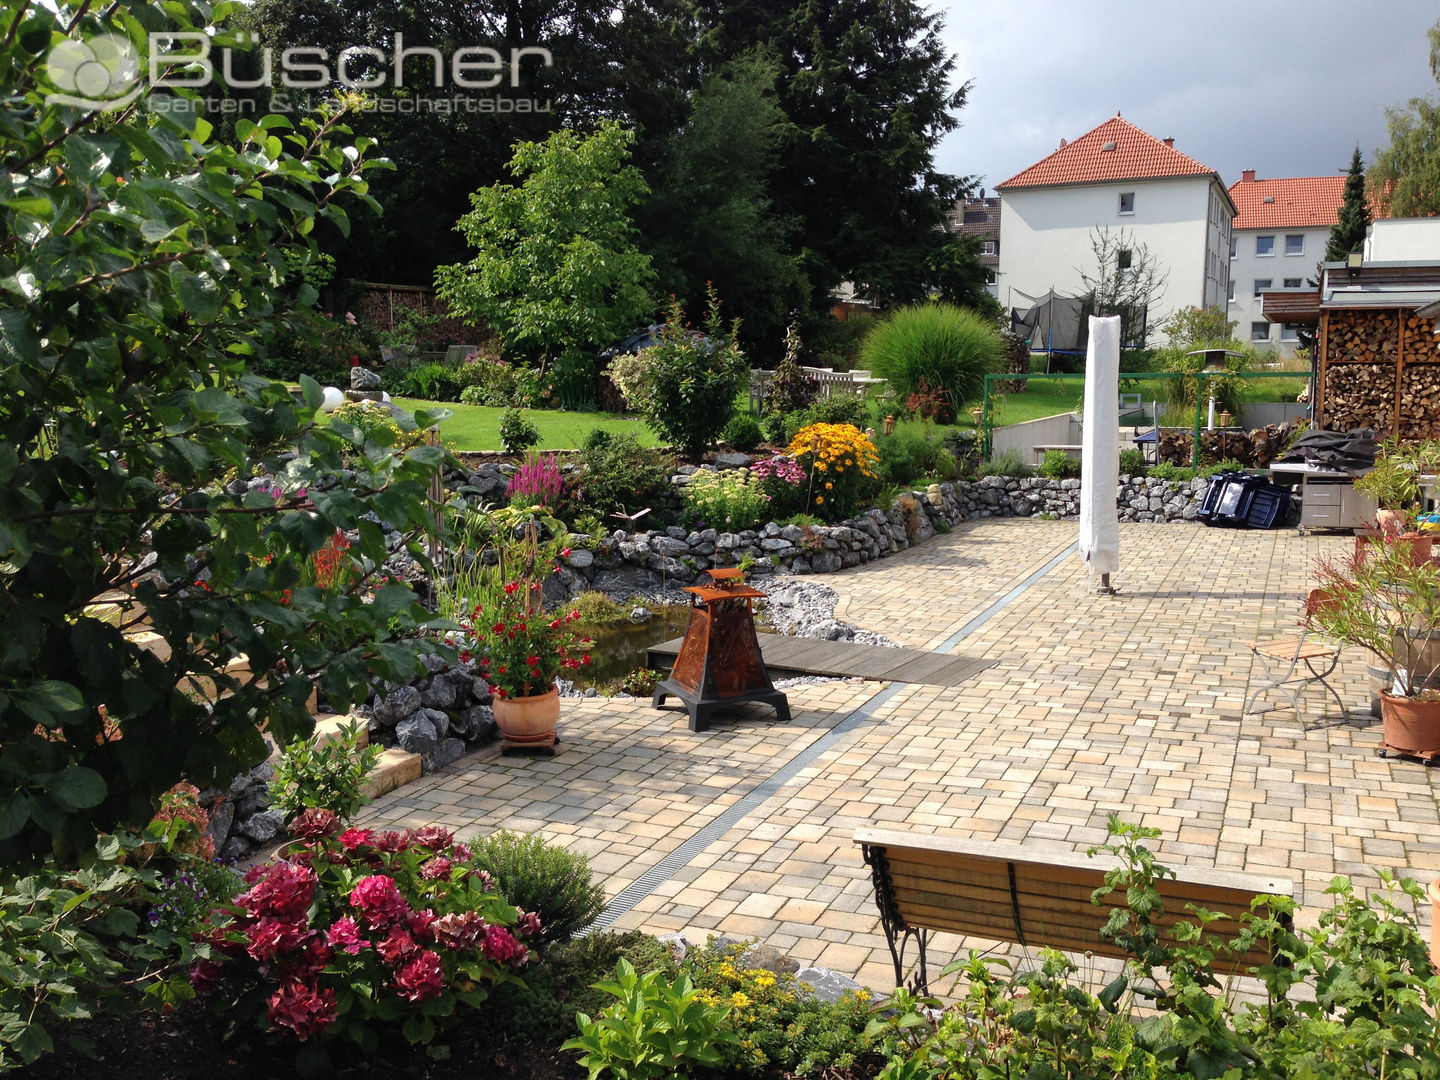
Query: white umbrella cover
point(1099, 454)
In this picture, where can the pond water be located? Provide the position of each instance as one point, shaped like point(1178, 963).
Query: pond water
point(619, 648)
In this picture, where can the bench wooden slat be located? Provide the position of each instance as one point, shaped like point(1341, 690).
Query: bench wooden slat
point(1009, 892)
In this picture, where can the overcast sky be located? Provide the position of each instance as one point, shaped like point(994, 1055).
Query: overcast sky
point(1287, 89)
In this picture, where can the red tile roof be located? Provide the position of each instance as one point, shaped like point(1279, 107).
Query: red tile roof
point(1297, 202)
point(1135, 156)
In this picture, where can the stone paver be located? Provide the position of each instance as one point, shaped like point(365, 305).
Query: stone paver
point(1095, 705)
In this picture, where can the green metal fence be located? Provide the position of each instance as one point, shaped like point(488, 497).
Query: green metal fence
point(987, 414)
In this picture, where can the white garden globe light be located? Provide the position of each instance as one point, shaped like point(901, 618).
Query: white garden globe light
point(331, 399)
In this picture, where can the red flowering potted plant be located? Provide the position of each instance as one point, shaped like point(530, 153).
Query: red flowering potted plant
point(360, 928)
point(521, 649)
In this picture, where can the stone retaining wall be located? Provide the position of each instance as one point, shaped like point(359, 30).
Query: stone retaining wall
point(625, 562)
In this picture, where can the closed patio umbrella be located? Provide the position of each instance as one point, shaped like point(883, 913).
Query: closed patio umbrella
point(1099, 455)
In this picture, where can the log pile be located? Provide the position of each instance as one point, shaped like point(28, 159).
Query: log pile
point(1363, 337)
point(1421, 344)
point(1359, 395)
point(1254, 449)
point(1420, 402)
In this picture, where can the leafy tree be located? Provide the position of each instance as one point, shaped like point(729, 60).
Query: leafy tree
point(712, 219)
point(1405, 176)
point(688, 381)
point(144, 259)
point(1124, 280)
point(865, 86)
point(1192, 326)
point(1348, 233)
point(557, 272)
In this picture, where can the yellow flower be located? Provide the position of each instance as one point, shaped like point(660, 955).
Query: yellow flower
point(828, 485)
point(764, 980)
point(819, 499)
point(739, 999)
point(821, 466)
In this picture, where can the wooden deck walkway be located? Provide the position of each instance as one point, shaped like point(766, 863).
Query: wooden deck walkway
point(809, 656)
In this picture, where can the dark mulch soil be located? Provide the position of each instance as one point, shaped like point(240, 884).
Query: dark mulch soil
point(190, 1045)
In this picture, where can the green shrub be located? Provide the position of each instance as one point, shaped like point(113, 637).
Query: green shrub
point(1132, 462)
point(942, 464)
point(1058, 465)
point(1010, 463)
point(517, 434)
point(560, 983)
point(1167, 470)
point(729, 500)
point(596, 607)
point(743, 432)
point(1227, 465)
point(781, 428)
point(1228, 388)
point(690, 381)
point(776, 1024)
point(949, 348)
point(656, 1029)
point(598, 439)
point(907, 455)
point(329, 777)
point(620, 474)
point(803, 520)
point(377, 423)
point(543, 878)
point(429, 382)
point(488, 380)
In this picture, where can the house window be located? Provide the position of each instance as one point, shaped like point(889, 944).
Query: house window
point(1127, 202)
point(989, 247)
point(1123, 259)
point(1293, 283)
point(1295, 244)
point(1231, 297)
point(1289, 331)
point(1234, 246)
point(1264, 245)
point(1263, 283)
point(1260, 331)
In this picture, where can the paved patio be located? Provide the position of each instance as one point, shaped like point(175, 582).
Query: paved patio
point(1129, 704)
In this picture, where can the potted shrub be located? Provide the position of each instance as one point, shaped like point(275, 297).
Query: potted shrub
point(1388, 603)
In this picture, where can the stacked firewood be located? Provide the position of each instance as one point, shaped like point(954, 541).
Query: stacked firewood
point(1255, 448)
point(1364, 337)
point(1359, 395)
point(1420, 402)
point(1421, 344)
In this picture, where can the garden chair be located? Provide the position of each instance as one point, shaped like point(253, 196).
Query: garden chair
point(1293, 661)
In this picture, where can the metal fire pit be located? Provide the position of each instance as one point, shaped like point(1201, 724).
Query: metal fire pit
point(719, 662)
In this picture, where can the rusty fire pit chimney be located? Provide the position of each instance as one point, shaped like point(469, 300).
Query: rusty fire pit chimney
point(719, 662)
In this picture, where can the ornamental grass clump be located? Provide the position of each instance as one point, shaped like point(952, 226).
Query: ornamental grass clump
point(935, 350)
point(360, 929)
point(840, 460)
point(544, 878)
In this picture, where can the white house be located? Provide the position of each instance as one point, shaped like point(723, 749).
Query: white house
point(1281, 229)
point(1117, 177)
point(1403, 240)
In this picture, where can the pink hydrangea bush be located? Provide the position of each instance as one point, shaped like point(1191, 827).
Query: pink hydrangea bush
point(360, 927)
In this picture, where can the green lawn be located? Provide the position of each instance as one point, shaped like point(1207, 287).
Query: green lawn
point(477, 427)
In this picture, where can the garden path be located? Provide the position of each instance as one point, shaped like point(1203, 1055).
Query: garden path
point(1094, 705)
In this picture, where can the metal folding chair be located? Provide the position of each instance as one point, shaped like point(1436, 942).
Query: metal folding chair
point(1298, 654)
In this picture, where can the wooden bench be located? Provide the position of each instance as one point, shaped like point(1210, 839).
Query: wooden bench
point(1006, 892)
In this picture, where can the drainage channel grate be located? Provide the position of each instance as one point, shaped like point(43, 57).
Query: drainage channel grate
point(666, 868)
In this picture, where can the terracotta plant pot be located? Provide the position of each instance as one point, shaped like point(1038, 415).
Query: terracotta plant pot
point(1435, 924)
point(1411, 727)
point(528, 719)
